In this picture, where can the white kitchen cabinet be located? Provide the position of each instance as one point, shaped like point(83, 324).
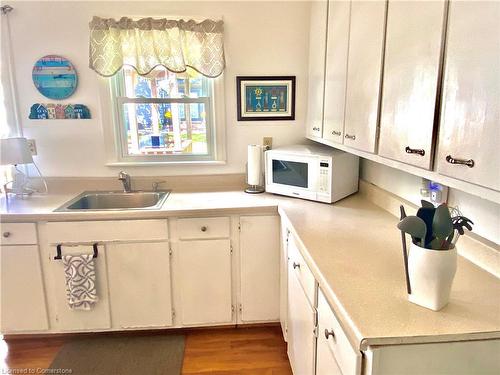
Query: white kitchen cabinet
point(317, 44)
point(469, 133)
point(364, 72)
point(23, 306)
point(66, 319)
point(335, 355)
point(413, 50)
point(336, 70)
point(301, 327)
point(139, 284)
point(259, 268)
point(204, 282)
point(285, 233)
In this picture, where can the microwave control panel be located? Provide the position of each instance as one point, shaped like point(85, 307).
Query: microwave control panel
point(324, 175)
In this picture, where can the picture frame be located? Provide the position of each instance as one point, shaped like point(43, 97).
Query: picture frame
point(265, 98)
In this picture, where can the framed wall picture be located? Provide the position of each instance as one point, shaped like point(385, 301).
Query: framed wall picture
point(265, 98)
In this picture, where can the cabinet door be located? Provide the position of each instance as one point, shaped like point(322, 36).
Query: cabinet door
point(414, 39)
point(259, 265)
point(67, 319)
point(205, 281)
point(470, 116)
point(325, 359)
point(139, 284)
point(285, 233)
point(22, 295)
point(301, 319)
point(364, 70)
point(336, 70)
point(317, 47)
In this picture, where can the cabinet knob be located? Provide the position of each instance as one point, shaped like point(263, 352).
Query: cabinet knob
point(204, 228)
point(348, 136)
point(329, 333)
point(6, 234)
point(470, 163)
point(338, 134)
point(295, 265)
point(417, 151)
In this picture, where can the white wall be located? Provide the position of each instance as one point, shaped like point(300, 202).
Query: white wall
point(485, 214)
point(261, 38)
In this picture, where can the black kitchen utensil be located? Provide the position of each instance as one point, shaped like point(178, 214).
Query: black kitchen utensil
point(427, 215)
point(405, 252)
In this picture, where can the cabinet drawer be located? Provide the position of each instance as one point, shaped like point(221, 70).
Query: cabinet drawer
point(211, 227)
point(347, 358)
point(18, 234)
point(113, 230)
point(299, 267)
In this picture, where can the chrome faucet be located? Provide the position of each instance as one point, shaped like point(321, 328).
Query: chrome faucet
point(124, 177)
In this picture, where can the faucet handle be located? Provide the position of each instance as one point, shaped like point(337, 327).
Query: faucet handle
point(155, 185)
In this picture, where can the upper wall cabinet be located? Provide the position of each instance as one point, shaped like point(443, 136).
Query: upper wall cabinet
point(336, 70)
point(469, 134)
point(364, 70)
point(414, 40)
point(317, 42)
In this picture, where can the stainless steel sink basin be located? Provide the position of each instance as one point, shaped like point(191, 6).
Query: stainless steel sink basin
point(115, 200)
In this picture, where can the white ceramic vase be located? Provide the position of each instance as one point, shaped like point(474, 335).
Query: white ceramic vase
point(431, 276)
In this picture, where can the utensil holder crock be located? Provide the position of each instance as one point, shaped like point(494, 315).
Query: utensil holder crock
point(431, 275)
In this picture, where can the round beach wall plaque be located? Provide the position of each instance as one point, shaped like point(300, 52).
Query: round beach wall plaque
point(55, 77)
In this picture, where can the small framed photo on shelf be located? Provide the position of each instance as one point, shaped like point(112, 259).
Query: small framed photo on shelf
point(265, 98)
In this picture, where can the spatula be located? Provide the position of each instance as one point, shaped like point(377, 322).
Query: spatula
point(442, 225)
point(415, 227)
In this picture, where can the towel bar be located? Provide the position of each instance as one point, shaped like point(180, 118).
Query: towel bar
point(59, 249)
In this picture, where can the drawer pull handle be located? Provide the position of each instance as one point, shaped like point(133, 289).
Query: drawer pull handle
point(6, 234)
point(417, 151)
point(348, 136)
point(329, 333)
point(334, 132)
point(204, 228)
point(470, 163)
point(295, 265)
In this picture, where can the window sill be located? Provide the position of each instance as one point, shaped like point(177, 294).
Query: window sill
point(163, 163)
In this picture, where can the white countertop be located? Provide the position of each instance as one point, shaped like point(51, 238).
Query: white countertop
point(352, 247)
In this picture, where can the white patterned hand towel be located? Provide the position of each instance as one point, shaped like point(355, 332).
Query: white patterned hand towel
point(79, 271)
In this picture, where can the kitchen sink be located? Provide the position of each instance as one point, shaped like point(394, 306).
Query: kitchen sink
point(115, 200)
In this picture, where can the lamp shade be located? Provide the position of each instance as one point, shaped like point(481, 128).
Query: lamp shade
point(15, 151)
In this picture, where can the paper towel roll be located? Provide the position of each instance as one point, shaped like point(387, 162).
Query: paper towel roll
point(254, 164)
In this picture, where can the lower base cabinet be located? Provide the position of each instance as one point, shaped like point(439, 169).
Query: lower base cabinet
point(66, 319)
point(22, 295)
point(204, 282)
point(301, 327)
point(139, 284)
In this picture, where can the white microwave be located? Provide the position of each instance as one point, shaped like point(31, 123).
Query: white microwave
point(317, 173)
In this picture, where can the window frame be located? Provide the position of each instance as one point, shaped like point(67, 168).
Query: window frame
point(116, 139)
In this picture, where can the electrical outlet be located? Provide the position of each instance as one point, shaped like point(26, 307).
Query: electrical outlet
point(32, 146)
point(267, 142)
point(438, 193)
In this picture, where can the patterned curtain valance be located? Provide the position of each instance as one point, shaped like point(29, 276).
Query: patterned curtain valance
point(147, 43)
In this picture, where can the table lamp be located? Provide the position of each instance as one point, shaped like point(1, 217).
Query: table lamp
point(14, 151)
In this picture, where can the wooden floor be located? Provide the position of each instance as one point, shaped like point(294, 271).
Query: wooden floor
point(235, 351)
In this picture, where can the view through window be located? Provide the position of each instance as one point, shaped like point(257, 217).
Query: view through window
point(165, 113)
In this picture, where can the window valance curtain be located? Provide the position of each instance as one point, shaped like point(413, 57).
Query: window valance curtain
point(147, 43)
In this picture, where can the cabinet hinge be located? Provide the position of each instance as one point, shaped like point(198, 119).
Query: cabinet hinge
point(240, 308)
point(170, 252)
point(173, 313)
point(231, 248)
point(239, 227)
point(315, 331)
point(232, 310)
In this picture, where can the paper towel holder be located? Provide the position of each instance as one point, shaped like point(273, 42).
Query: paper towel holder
point(256, 188)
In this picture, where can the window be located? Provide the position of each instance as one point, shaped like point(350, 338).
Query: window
point(164, 116)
